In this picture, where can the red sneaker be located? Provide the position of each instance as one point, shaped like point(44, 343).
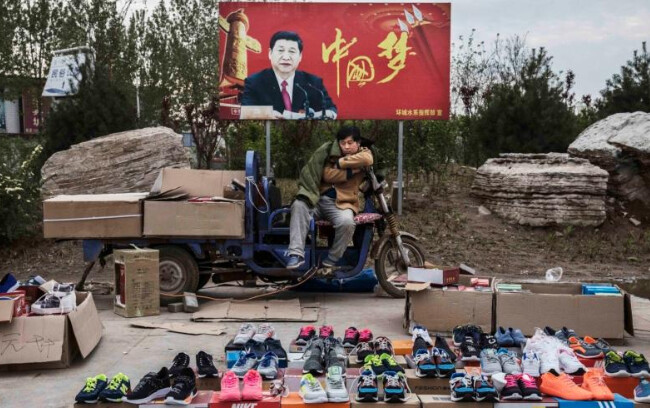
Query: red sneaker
point(230, 387)
point(306, 334)
point(365, 335)
point(351, 338)
point(252, 386)
point(326, 331)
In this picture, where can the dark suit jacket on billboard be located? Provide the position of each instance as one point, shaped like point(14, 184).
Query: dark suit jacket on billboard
point(262, 88)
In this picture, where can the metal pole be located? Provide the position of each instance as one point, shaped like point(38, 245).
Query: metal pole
point(137, 101)
point(268, 148)
point(400, 156)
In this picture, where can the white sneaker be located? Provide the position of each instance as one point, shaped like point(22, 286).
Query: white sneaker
point(311, 390)
point(50, 304)
point(335, 385)
point(420, 331)
point(62, 289)
point(548, 361)
point(530, 363)
point(569, 363)
point(264, 331)
point(499, 381)
point(246, 332)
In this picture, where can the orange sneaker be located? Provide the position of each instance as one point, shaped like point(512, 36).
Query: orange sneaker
point(594, 382)
point(562, 386)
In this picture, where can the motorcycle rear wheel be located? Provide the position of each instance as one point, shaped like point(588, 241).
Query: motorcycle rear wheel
point(390, 269)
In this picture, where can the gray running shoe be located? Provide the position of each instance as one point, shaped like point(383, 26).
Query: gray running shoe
point(490, 363)
point(335, 385)
point(509, 361)
point(268, 367)
point(245, 362)
point(314, 357)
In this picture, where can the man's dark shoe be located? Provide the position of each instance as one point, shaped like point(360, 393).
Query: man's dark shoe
point(181, 361)
point(205, 363)
point(295, 262)
point(328, 263)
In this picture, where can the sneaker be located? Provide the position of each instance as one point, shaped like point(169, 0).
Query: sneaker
point(512, 390)
point(295, 261)
point(569, 363)
point(314, 357)
point(421, 331)
point(246, 362)
point(394, 387)
point(184, 389)
point(462, 387)
point(490, 363)
point(326, 331)
point(63, 289)
point(180, 362)
point(367, 388)
point(263, 332)
point(268, 366)
point(637, 364)
point(549, 331)
point(529, 389)
point(549, 361)
point(91, 390)
point(351, 338)
point(419, 344)
point(517, 336)
point(328, 263)
point(334, 354)
point(152, 386)
point(390, 364)
point(245, 333)
point(311, 390)
point(441, 343)
point(487, 341)
point(615, 365)
point(444, 366)
point(584, 349)
point(483, 389)
point(530, 364)
point(230, 387)
point(499, 381)
point(117, 389)
point(563, 386)
point(8, 283)
point(363, 350)
point(256, 348)
point(642, 392)
point(252, 389)
point(469, 350)
point(205, 365)
point(599, 343)
point(335, 385)
point(504, 338)
point(509, 361)
point(275, 346)
point(383, 345)
point(374, 363)
point(51, 304)
point(594, 381)
point(424, 365)
point(365, 335)
point(306, 334)
point(564, 334)
point(278, 388)
point(461, 331)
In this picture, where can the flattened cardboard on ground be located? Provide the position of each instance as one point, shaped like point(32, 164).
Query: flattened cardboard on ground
point(188, 328)
point(218, 219)
point(40, 342)
point(451, 306)
point(196, 182)
point(140, 283)
point(257, 310)
point(558, 304)
point(93, 216)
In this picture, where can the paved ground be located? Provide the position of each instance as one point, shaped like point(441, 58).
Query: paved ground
point(137, 351)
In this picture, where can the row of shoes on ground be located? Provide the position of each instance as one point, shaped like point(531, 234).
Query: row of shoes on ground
point(562, 385)
point(308, 333)
point(626, 364)
point(587, 347)
point(321, 354)
point(248, 332)
point(98, 388)
point(251, 389)
point(466, 387)
point(312, 391)
point(395, 387)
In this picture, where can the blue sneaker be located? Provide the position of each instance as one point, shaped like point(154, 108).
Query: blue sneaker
point(642, 392)
point(518, 337)
point(484, 390)
point(462, 387)
point(90, 392)
point(367, 387)
point(8, 283)
point(295, 262)
point(504, 338)
point(424, 365)
point(615, 365)
point(637, 364)
point(117, 389)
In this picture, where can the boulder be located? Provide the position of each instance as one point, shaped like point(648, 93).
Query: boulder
point(122, 162)
point(543, 189)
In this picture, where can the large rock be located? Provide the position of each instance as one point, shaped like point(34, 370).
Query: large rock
point(543, 189)
point(123, 162)
point(620, 144)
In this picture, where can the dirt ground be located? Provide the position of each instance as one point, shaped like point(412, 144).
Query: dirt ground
point(445, 217)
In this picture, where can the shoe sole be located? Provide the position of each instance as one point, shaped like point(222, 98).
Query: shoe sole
point(470, 359)
point(208, 375)
point(367, 398)
point(171, 400)
point(643, 374)
point(318, 400)
point(641, 399)
point(293, 267)
point(489, 397)
point(155, 395)
point(394, 399)
point(533, 397)
point(620, 373)
point(430, 375)
point(515, 396)
point(52, 311)
point(465, 397)
point(584, 356)
point(338, 399)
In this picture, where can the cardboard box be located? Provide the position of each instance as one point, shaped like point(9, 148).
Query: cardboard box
point(53, 341)
point(196, 182)
point(436, 275)
point(558, 304)
point(93, 216)
point(137, 289)
point(412, 402)
point(428, 385)
point(622, 385)
point(452, 307)
point(547, 402)
point(618, 402)
point(215, 219)
point(293, 400)
point(266, 402)
point(444, 400)
point(12, 305)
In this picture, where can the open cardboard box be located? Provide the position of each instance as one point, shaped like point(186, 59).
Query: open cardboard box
point(52, 341)
point(558, 304)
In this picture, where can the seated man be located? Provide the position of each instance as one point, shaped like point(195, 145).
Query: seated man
point(329, 189)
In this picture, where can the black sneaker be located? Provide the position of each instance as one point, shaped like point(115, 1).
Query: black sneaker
point(383, 345)
point(367, 387)
point(351, 338)
point(394, 387)
point(441, 343)
point(314, 357)
point(184, 389)
point(419, 344)
point(364, 349)
point(459, 334)
point(469, 350)
point(181, 361)
point(206, 365)
point(275, 346)
point(334, 353)
point(152, 386)
point(488, 341)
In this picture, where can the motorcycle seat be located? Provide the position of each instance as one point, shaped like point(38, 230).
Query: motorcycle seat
point(359, 219)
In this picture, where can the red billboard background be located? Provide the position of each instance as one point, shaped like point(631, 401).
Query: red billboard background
point(377, 61)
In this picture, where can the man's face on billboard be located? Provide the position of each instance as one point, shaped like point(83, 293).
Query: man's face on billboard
point(285, 57)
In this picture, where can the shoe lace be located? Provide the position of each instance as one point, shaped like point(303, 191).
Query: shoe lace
point(391, 361)
point(383, 343)
point(511, 381)
point(115, 382)
point(246, 328)
point(614, 357)
point(266, 360)
point(598, 380)
point(421, 355)
point(251, 377)
point(367, 380)
point(392, 380)
point(146, 380)
point(566, 380)
point(336, 382)
point(509, 359)
point(91, 383)
point(528, 382)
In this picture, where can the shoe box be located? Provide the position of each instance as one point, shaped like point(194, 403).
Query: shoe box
point(202, 400)
point(412, 401)
point(427, 385)
point(452, 305)
point(267, 402)
point(51, 341)
point(618, 402)
point(293, 400)
point(137, 290)
point(548, 402)
point(444, 401)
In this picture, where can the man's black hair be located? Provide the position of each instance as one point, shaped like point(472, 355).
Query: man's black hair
point(286, 35)
point(348, 131)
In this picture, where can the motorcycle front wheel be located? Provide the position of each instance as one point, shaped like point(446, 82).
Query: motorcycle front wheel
point(390, 269)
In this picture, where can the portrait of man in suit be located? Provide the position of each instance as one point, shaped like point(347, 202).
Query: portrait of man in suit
point(288, 90)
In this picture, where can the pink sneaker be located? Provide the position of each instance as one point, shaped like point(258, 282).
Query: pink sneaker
point(326, 331)
point(252, 386)
point(230, 387)
point(365, 335)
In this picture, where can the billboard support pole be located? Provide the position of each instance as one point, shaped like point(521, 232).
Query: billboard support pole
point(400, 157)
point(268, 148)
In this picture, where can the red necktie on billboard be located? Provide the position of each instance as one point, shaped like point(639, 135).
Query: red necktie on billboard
point(285, 96)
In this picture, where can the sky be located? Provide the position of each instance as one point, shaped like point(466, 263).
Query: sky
point(594, 38)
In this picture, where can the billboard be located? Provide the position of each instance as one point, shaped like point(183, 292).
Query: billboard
point(334, 60)
point(64, 76)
